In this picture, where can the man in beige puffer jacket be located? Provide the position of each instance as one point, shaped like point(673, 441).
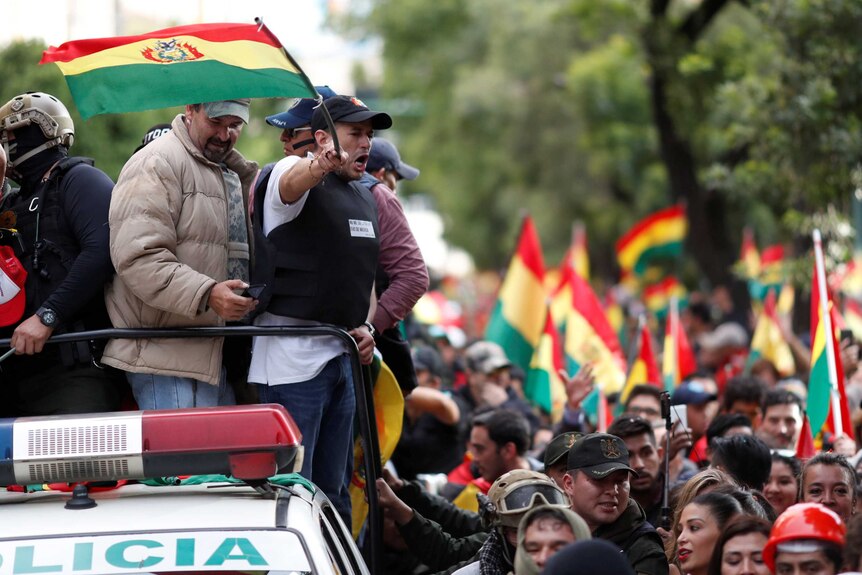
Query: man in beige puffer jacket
point(180, 245)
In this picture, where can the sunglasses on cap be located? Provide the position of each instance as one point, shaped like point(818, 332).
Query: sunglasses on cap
point(525, 497)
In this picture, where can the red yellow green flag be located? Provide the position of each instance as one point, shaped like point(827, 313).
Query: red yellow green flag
point(657, 297)
point(658, 235)
point(544, 386)
point(827, 401)
point(591, 339)
point(772, 272)
point(177, 66)
point(768, 341)
point(643, 368)
point(678, 360)
point(518, 318)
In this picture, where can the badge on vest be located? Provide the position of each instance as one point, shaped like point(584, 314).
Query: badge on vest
point(361, 229)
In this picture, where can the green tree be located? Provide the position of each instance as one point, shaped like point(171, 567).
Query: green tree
point(606, 110)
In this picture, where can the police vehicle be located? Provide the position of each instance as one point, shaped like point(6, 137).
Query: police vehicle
point(173, 491)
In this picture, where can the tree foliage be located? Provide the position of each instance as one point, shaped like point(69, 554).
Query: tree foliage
point(603, 111)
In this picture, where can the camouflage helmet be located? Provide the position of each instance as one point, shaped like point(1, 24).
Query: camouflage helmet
point(40, 109)
point(516, 492)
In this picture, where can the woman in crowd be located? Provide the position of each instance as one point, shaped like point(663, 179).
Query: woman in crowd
point(739, 549)
point(701, 524)
point(828, 479)
point(783, 487)
point(703, 482)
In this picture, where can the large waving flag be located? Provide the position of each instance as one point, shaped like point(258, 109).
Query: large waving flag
point(519, 315)
point(658, 235)
point(642, 365)
point(768, 341)
point(590, 339)
point(678, 360)
point(178, 66)
point(543, 385)
point(827, 401)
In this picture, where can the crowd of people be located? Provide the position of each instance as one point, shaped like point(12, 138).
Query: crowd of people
point(706, 480)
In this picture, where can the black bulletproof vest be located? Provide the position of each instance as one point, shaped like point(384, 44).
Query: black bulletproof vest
point(48, 257)
point(321, 265)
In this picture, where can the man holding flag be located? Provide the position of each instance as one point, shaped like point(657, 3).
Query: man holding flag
point(180, 244)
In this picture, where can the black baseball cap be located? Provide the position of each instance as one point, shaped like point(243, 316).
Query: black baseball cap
point(559, 447)
point(599, 454)
point(351, 110)
point(299, 114)
point(385, 155)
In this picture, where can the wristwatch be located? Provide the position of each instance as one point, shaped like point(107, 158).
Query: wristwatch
point(371, 329)
point(48, 316)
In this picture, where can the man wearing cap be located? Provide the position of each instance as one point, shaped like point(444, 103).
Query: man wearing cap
point(556, 454)
point(488, 382)
point(317, 242)
point(180, 245)
point(597, 483)
point(386, 165)
point(401, 277)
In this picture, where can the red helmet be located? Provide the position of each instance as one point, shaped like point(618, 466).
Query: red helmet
point(803, 521)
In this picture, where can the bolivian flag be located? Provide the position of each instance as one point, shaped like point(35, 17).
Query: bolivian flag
point(657, 297)
point(544, 386)
point(519, 315)
point(591, 339)
point(177, 66)
point(768, 341)
point(827, 375)
point(643, 368)
point(658, 235)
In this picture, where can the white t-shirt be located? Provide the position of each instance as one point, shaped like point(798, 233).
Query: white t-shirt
point(278, 360)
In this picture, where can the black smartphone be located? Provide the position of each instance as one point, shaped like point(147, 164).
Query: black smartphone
point(253, 291)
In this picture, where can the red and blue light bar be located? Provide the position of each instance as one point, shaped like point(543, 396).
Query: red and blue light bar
point(249, 442)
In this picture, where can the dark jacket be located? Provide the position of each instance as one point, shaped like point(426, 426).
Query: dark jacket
point(639, 541)
point(440, 535)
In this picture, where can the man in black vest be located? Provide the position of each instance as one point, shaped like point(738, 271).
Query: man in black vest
point(60, 213)
point(316, 250)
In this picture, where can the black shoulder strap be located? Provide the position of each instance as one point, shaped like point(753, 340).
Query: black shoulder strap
point(67, 164)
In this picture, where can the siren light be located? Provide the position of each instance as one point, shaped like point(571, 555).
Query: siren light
point(248, 442)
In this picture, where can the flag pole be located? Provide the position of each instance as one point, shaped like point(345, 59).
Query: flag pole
point(826, 318)
point(263, 28)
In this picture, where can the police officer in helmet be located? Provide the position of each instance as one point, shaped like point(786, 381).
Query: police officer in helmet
point(59, 212)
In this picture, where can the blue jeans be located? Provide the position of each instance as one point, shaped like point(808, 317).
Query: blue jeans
point(169, 392)
point(323, 409)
